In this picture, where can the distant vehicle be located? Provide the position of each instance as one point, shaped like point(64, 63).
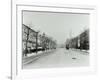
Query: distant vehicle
point(67, 47)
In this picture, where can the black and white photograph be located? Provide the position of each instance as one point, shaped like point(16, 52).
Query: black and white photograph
point(54, 39)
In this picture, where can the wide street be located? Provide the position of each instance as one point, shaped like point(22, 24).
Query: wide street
point(58, 58)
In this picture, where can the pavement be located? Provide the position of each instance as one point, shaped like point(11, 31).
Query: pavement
point(34, 56)
point(57, 58)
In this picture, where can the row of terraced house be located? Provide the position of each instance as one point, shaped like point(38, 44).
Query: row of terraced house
point(79, 42)
point(33, 41)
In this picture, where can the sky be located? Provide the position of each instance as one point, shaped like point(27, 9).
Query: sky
point(59, 26)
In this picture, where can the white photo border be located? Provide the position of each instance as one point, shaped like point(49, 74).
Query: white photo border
point(17, 70)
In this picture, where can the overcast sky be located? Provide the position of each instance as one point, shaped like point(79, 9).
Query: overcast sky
point(59, 26)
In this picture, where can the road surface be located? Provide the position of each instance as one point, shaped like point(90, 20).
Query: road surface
point(59, 58)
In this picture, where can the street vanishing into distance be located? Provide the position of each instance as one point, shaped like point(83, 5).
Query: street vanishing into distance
point(51, 40)
point(58, 58)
